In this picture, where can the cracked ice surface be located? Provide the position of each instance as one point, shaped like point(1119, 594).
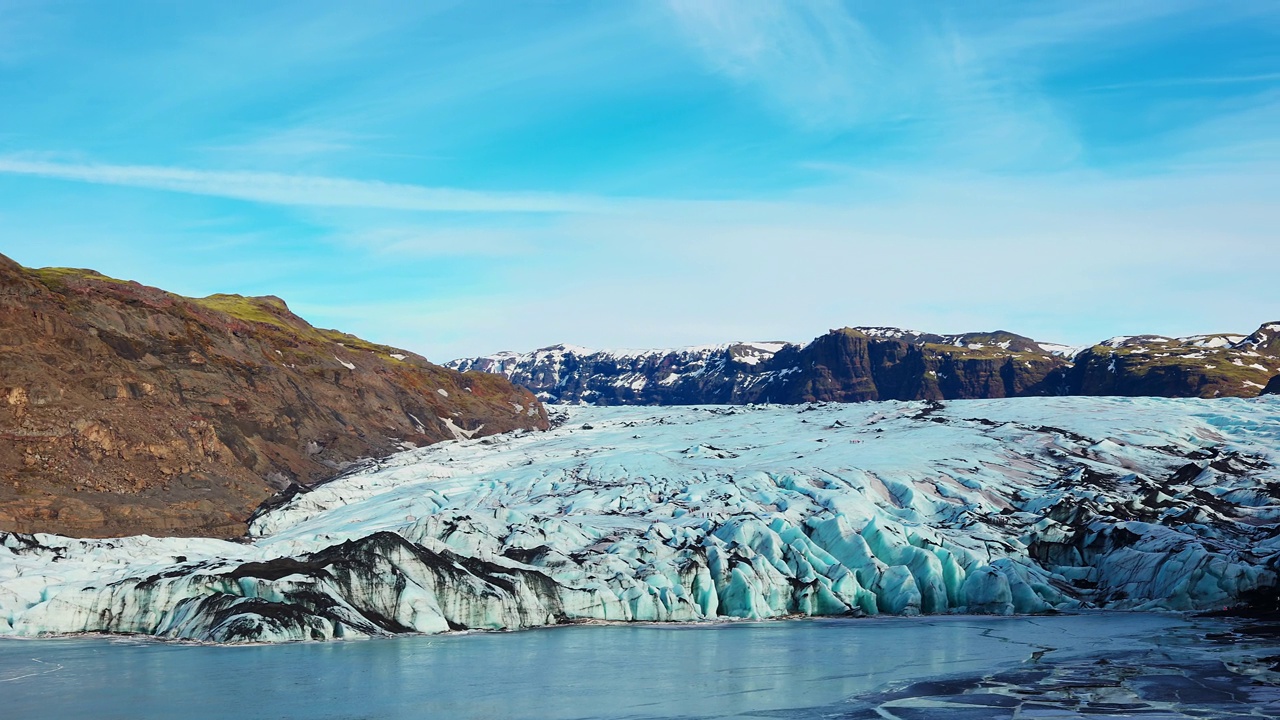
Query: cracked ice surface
point(697, 513)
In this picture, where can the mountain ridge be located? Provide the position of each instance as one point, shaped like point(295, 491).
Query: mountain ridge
point(885, 363)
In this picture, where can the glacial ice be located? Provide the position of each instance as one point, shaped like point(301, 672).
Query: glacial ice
point(703, 513)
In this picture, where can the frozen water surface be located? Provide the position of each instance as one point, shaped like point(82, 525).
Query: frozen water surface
point(1062, 666)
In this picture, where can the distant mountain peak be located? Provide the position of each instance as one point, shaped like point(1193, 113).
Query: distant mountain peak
point(879, 362)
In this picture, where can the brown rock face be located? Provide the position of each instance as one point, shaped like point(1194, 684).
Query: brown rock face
point(125, 409)
point(848, 365)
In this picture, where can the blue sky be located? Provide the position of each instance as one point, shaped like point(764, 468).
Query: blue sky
point(463, 177)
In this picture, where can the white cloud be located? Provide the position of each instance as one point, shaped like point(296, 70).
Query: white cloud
point(294, 142)
point(933, 84)
point(1192, 81)
point(304, 190)
point(811, 59)
point(962, 87)
point(417, 241)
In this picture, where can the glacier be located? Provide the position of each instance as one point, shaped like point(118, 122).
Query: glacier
point(705, 513)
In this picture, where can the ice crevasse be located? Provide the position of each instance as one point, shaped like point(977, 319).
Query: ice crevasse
point(700, 513)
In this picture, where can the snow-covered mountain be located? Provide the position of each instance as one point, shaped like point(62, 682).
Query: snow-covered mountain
point(727, 373)
point(883, 363)
point(699, 513)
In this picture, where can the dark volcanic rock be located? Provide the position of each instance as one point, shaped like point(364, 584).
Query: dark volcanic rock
point(850, 365)
point(125, 409)
point(1273, 386)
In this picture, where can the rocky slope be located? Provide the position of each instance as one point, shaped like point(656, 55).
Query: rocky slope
point(1218, 365)
point(697, 513)
point(872, 363)
point(126, 409)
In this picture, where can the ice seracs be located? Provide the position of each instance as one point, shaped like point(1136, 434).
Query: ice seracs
point(700, 513)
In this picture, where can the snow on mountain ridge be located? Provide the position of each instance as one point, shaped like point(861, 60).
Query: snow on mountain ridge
point(880, 363)
point(1213, 340)
point(623, 353)
point(765, 348)
point(1064, 351)
point(891, 333)
point(553, 370)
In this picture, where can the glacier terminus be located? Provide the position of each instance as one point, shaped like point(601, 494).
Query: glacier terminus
point(706, 513)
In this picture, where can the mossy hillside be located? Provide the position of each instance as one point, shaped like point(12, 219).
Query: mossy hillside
point(312, 350)
point(1206, 372)
point(1012, 342)
point(267, 310)
point(351, 341)
point(58, 279)
point(271, 310)
point(853, 333)
point(1175, 352)
point(1223, 367)
point(987, 352)
point(297, 341)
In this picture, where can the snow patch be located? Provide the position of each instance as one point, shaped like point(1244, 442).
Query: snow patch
point(457, 432)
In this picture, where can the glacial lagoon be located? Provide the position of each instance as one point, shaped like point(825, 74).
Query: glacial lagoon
point(1092, 665)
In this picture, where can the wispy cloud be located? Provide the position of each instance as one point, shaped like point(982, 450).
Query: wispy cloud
point(964, 87)
point(304, 190)
point(1192, 81)
point(293, 142)
point(417, 241)
point(1042, 26)
point(810, 58)
point(929, 82)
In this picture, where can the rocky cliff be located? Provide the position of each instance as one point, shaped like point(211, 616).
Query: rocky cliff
point(876, 363)
point(856, 364)
point(126, 409)
point(1273, 386)
point(847, 365)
